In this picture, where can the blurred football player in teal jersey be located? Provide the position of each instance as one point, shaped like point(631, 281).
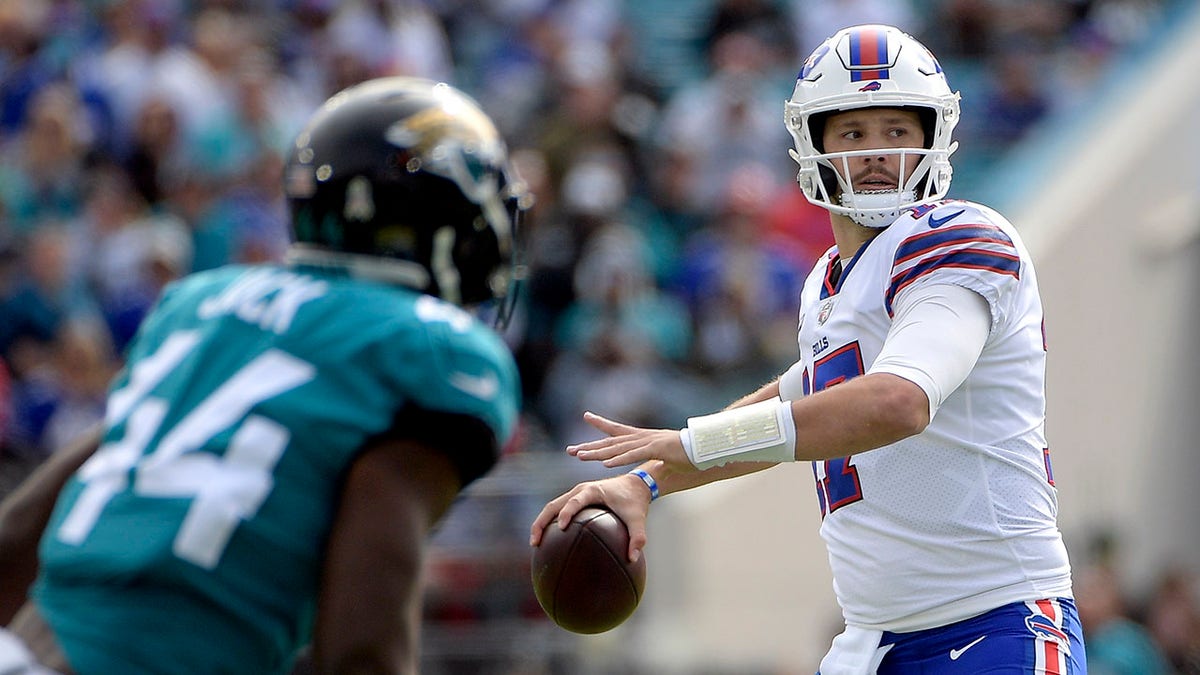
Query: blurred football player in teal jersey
point(284, 437)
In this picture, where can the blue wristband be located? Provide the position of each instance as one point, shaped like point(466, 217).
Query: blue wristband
point(649, 481)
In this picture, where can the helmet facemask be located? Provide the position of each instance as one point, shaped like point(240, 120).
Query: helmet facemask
point(877, 208)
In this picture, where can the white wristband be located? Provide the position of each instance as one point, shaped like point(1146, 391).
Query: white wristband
point(759, 432)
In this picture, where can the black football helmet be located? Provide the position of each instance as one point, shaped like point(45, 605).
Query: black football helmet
point(407, 181)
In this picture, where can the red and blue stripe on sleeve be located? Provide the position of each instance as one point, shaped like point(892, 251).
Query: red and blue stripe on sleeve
point(981, 247)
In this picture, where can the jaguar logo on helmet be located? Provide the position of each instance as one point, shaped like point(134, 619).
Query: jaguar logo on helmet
point(429, 131)
point(453, 141)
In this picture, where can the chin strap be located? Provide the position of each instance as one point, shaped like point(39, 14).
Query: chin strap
point(877, 209)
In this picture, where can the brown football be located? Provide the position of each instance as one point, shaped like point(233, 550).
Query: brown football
point(582, 575)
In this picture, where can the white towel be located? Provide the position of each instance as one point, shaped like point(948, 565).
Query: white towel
point(855, 651)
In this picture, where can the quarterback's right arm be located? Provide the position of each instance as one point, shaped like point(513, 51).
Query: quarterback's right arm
point(937, 336)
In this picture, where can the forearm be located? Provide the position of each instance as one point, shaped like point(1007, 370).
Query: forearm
point(861, 414)
point(23, 517)
point(678, 482)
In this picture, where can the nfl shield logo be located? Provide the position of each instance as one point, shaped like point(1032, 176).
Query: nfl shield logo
point(826, 310)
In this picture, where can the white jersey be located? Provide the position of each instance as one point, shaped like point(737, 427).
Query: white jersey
point(960, 518)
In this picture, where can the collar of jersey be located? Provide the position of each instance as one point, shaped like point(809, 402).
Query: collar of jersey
point(835, 274)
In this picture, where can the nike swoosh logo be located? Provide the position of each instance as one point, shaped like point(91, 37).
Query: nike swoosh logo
point(956, 653)
point(479, 386)
point(938, 222)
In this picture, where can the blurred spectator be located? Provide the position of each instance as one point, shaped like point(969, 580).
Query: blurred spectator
point(800, 227)
point(614, 291)
point(42, 167)
point(263, 116)
point(255, 211)
point(33, 315)
point(84, 363)
point(729, 118)
point(966, 30)
point(815, 20)
point(392, 37)
point(197, 74)
point(1014, 101)
point(742, 286)
point(129, 252)
point(1173, 619)
point(46, 292)
point(121, 60)
point(1116, 644)
point(155, 148)
point(24, 67)
point(584, 120)
point(767, 19)
point(618, 339)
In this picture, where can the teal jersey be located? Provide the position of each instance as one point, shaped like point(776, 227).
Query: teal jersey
point(191, 542)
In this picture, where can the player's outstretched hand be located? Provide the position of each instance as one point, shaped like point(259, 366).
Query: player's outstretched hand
point(632, 445)
point(625, 495)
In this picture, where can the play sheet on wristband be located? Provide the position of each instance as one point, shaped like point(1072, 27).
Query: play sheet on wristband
point(751, 428)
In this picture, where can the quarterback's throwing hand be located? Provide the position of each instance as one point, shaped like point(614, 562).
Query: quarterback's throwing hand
point(632, 445)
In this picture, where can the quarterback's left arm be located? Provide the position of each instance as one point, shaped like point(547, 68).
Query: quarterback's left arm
point(23, 517)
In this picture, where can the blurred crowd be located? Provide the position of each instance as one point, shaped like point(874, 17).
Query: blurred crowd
point(141, 140)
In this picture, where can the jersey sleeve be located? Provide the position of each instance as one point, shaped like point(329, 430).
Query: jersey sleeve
point(793, 383)
point(457, 388)
point(465, 379)
point(971, 250)
point(936, 338)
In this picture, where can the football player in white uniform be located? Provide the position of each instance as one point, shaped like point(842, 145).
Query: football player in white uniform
point(932, 471)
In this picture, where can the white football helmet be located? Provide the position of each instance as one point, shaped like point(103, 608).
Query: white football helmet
point(872, 66)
